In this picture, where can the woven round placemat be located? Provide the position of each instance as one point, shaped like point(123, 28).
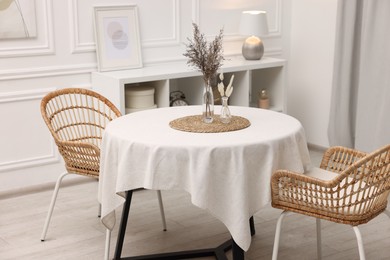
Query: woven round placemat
point(196, 125)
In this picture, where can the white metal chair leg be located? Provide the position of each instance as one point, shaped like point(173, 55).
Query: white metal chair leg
point(52, 203)
point(319, 247)
point(107, 246)
point(360, 243)
point(277, 235)
point(387, 212)
point(160, 203)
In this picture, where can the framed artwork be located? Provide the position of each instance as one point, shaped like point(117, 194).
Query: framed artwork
point(17, 19)
point(118, 43)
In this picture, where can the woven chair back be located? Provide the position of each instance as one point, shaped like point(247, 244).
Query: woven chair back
point(337, 158)
point(358, 193)
point(361, 190)
point(76, 119)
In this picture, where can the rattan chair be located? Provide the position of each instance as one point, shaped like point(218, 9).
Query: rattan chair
point(76, 119)
point(350, 187)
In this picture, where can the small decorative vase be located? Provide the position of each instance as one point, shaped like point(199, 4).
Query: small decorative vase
point(208, 104)
point(263, 99)
point(225, 116)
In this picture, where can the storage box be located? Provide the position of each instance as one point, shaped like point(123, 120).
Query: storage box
point(132, 110)
point(139, 96)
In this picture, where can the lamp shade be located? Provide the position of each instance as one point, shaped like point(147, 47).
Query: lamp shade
point(254, 23)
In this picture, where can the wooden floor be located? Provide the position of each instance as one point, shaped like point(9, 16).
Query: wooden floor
point(76, 232)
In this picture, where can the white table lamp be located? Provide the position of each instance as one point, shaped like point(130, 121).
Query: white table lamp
point(253, 24)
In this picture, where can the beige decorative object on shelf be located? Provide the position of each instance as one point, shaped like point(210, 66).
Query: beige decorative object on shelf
point(263, 99)
point(132, 110)
point(253, 24)
point(139, 97)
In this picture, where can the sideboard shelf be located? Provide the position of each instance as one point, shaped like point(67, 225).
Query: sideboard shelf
point(249, 78)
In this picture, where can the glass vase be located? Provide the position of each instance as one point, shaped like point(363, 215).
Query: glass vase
point(208, 104)
point(225, 115)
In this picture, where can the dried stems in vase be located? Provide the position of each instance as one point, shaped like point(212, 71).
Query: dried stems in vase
point(207, 58)
point(204, 56)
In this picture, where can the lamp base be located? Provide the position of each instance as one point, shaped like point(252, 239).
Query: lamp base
point(253, 48)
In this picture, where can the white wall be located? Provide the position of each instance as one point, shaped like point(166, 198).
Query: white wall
point(63, 55)
point(311, 65)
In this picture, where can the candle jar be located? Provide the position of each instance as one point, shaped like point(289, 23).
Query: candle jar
point(263, 99)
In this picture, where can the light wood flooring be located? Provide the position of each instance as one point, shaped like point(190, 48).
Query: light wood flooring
point(75, 231)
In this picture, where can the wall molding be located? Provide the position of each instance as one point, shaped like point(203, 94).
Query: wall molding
point(75, 44)
point(277, 31)
point(47, 71)
point(273, 52)
point(47, 46)
point(174, 39)
point(24, 95)
point(53, 156)
point(195, 11)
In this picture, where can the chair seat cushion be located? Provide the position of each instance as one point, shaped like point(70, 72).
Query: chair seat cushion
point(321, 174)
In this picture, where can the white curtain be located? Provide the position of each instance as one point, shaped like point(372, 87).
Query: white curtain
point(360, 106)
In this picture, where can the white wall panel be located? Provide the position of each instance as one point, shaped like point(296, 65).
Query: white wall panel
point(159, 23)
point(63, 55)
point(311, 66)
point(22, 139)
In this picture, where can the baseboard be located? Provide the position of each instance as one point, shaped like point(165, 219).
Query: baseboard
point(43, 187)
point(316, 147)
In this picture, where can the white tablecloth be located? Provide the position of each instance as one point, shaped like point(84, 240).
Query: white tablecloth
point(227, 174)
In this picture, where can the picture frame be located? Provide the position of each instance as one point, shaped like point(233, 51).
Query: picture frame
point(118, 45)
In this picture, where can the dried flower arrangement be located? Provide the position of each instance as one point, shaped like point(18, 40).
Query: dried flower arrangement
point(229, 88)
point(204, 56)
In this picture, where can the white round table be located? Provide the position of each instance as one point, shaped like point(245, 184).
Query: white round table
point(226, 173)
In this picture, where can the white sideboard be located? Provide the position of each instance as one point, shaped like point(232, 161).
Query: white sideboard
point(250, 77)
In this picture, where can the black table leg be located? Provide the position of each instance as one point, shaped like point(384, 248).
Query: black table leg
point(252, 226)
point(122, 227)
point(238, 253)
point(219, 252)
